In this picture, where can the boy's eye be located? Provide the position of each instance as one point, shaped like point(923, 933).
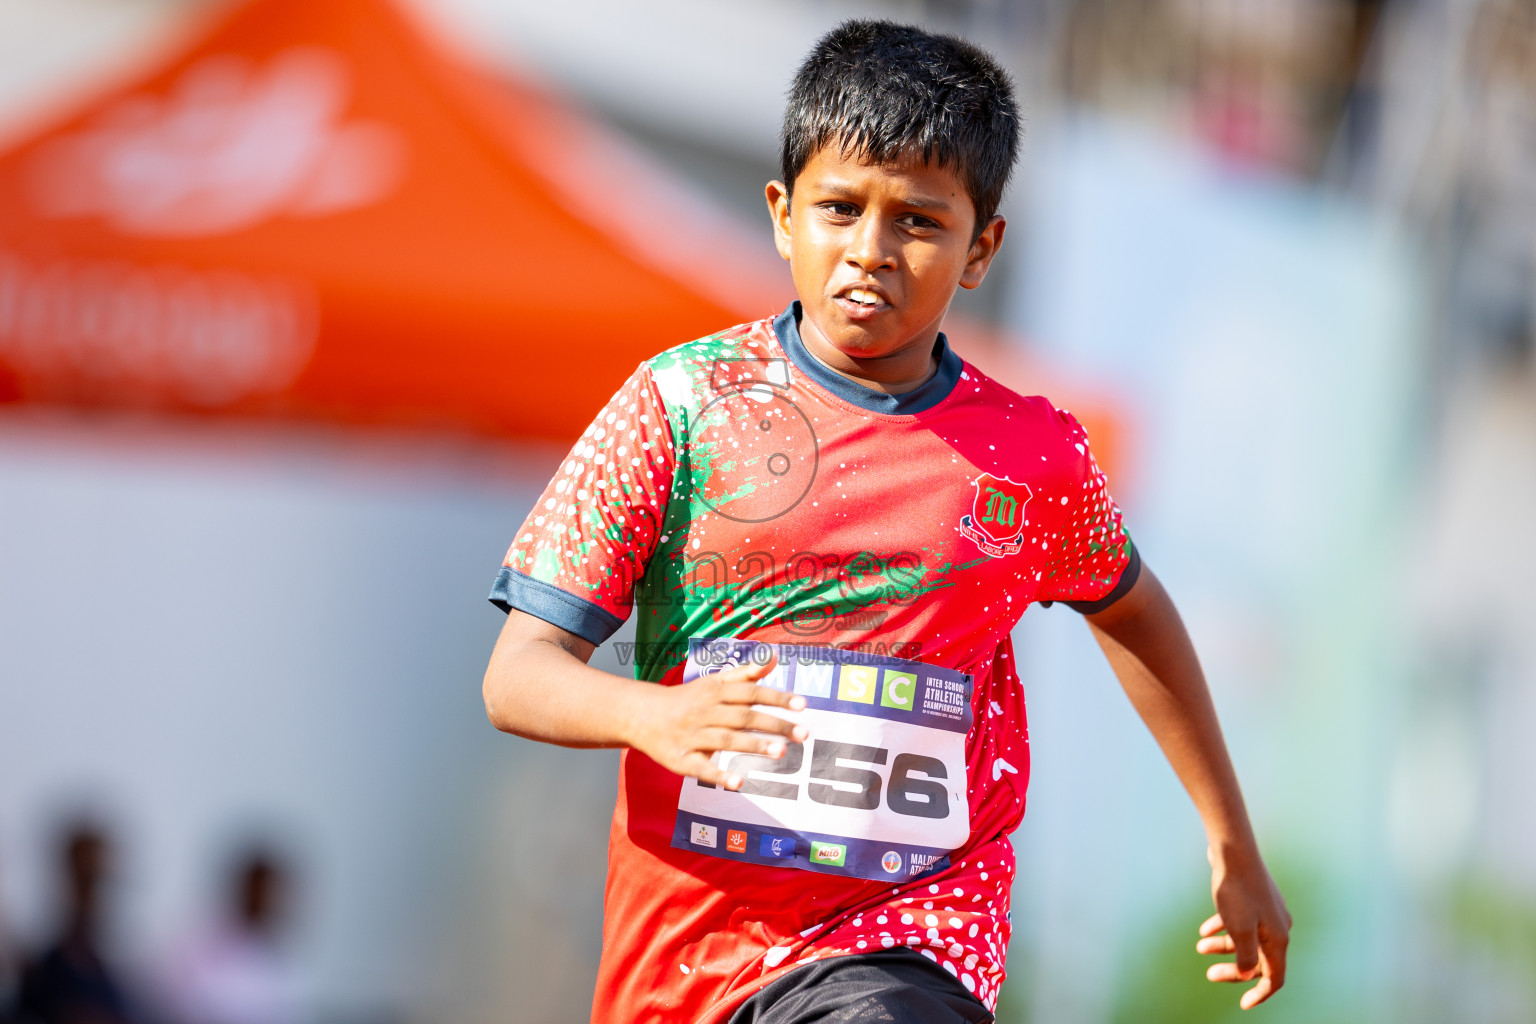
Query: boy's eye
point(841, 209)
point(914, 220)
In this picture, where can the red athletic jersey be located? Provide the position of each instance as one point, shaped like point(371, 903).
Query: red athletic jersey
point(737, 487)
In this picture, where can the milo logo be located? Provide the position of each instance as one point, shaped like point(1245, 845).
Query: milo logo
point(834, 854)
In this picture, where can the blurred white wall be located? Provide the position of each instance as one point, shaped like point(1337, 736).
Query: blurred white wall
point(217, 631)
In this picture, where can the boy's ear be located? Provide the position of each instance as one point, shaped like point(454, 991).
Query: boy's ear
point(778, 210)
point(979, 259)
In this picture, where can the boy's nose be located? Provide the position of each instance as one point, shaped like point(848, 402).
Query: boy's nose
point(868, 250)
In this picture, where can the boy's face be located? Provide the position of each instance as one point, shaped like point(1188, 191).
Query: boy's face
point(877, 250)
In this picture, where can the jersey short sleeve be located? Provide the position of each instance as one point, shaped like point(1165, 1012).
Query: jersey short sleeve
point(577, 557)
point(1095, 564)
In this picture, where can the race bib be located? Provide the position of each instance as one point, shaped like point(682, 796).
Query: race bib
point(878, 789)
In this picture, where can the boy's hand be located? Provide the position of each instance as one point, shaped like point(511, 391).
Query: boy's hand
point(681, 727)
point(1150, 651)
point(1251, 913)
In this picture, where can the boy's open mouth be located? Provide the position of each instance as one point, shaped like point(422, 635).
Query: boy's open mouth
point(859, 302)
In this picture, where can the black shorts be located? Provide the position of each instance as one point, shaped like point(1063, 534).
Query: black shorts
point(894, 986)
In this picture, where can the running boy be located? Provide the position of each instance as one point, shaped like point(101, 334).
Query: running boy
point(827, 524)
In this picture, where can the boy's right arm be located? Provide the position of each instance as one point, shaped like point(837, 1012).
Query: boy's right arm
point(539, 686)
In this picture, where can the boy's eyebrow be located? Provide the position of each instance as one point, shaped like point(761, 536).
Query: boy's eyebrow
point(923, 202)
point(918, 200)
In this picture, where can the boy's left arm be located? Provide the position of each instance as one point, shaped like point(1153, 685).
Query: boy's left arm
point(1147, 646)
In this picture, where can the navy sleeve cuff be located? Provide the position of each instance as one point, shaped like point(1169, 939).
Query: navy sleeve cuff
point(591, 622)
point(1128, 577)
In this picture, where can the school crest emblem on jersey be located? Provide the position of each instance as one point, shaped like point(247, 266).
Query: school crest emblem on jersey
point(996, 522)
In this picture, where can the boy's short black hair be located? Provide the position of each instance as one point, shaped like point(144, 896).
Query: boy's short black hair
point(884, 90)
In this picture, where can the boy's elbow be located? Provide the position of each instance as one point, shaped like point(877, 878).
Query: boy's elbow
point(498, 708)
point(492, 707)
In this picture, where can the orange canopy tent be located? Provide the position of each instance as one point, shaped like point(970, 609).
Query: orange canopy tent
point(312, 210)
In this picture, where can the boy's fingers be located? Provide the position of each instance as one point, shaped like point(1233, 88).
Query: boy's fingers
point(714, 738)
point(1246, 946)
point(751, 693)
point(711, 739)
point(1215, 945)
point(1212, 925)
point(1226, 971)
point(1272, 951)
point(1256, 995)
point(759, 721)
point(754, 743)
point(751, 671)
point(705, 770)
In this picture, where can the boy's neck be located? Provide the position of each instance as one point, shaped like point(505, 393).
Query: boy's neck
point(906, 369)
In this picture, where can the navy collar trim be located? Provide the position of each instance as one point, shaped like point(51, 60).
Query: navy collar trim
point(933, 391)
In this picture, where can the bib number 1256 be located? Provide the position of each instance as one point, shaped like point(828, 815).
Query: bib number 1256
point(913, 788)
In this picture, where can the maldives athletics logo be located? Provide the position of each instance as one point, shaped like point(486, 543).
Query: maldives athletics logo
point(996, 522)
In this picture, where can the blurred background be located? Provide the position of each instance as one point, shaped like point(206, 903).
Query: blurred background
point(301, 302)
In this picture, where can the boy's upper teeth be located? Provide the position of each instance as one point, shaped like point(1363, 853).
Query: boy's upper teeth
point(865, 296)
